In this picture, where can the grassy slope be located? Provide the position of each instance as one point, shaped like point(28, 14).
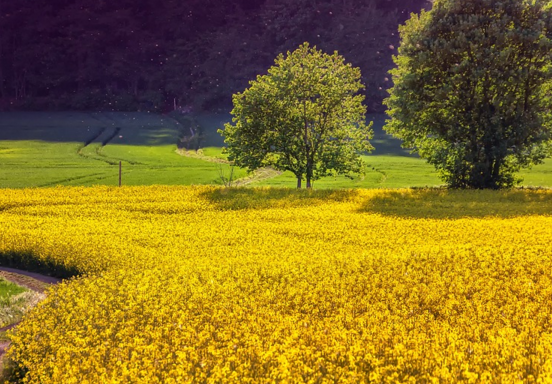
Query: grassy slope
point(538, 176)
point(46, 149)
point(40, 149)
point(382, 172)
point(400, 172)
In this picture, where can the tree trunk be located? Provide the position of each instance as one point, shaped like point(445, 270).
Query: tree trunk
point(495, 173)
point(298, 182)
point(309, 173)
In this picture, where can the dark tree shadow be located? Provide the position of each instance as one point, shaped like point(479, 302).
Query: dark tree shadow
point(29, 261)
point(431, 203)
point(454, 204)
point(262, 198)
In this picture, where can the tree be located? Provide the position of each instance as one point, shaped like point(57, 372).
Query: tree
point(87, 54)
point(472, 89)
point(304, 116)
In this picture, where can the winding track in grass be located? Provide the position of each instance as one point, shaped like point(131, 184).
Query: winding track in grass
point(30, 280)
point(258, 175)
point(33, 281)
point(94, 137)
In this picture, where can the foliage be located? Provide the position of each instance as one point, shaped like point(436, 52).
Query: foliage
point(199, 52)
point(191, 133)
point(361, 31)
point(472, 88)
point(237, 285)
point(304, 116)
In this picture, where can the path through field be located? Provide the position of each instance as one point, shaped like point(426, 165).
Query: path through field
point(32, 281)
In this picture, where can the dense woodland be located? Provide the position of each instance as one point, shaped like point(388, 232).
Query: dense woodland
point(144, 54)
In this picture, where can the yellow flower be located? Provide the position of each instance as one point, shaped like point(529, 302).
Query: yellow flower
point(200, 284)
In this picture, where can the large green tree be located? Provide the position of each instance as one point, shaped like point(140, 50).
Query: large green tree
point(472, 89)
point(304, 116)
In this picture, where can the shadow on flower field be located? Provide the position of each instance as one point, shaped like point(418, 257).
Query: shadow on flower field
point(30, 261)
point(213, 284)
point(455, 204)
point(264, 198)
point(432, 203)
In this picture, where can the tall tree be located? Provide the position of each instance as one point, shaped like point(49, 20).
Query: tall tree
point(304, 116)
point(472, 89)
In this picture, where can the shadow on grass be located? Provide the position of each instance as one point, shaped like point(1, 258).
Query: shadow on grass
point(29, 261)
point(438, 203)
point(126, 128)
point(262, 198)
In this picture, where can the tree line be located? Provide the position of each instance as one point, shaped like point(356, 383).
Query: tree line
point(472, 90)
point(127, 55)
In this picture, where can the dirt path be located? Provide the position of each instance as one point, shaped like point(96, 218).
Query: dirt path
point(201, 156)
point(33, 281)
point(30, 280)
point(258, 175)
point(3, 349)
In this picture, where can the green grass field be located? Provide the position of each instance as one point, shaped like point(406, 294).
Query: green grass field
point(41, 149)
point(9, 302)
point(8, 289)
point(47, 149)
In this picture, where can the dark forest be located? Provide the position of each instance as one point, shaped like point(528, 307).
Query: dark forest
point(147, 55)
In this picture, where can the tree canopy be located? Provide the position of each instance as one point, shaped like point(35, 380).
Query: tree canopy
point(472, 88)
point(85, 54)
point(305, 116)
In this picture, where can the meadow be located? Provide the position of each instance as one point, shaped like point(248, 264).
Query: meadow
point(40, 149)
point(44, 149)
point(210, 284)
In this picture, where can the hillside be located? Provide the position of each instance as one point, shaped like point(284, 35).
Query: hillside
point(41, 149)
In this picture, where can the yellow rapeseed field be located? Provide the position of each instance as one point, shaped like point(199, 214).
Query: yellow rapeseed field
point(204, 284)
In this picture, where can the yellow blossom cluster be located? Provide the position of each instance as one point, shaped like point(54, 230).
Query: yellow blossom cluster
point(214, 285)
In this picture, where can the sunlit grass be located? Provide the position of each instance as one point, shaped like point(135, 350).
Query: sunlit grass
point(8, 289)
point(48, 149)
